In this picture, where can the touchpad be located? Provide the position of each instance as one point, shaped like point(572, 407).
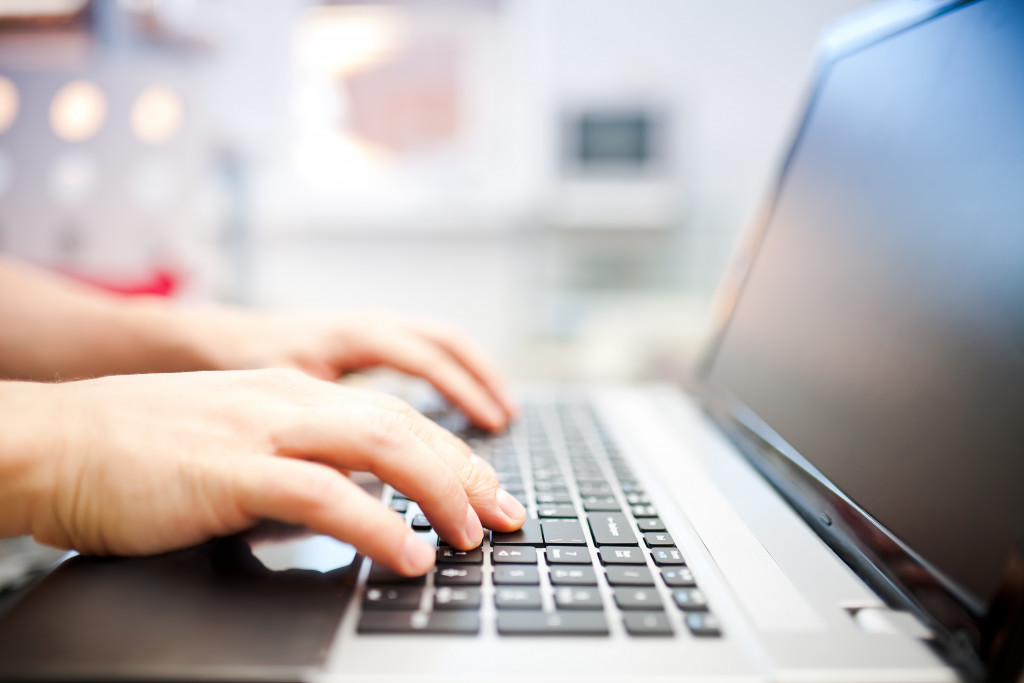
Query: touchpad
point(255, 606)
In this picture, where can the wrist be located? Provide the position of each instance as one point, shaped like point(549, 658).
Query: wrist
point(181, 339)
point(30, 445)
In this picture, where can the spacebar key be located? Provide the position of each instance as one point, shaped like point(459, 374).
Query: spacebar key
point(419, 622)
point(515, 623)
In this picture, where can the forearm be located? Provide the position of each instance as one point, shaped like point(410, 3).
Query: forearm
point(52, 328)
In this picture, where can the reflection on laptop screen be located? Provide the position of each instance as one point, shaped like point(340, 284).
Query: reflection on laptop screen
point(881, 328)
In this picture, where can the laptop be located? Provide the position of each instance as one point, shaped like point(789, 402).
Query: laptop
point(839, 498)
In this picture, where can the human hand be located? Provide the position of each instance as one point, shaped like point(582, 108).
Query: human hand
point(150, 463)
point(328, 346)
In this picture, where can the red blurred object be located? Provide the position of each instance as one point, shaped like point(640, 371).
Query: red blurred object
point(160, 283)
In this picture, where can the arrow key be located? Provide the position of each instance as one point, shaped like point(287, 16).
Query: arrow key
point(512, 554)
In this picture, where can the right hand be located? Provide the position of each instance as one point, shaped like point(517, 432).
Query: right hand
point(144, 464)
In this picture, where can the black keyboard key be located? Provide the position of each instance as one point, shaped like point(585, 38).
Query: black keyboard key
point(594, 488)
point(381, 575)
point(557, 554)
point(637, 498)
point(626, 575)
point(657, 539)
point(516, 597)
point(637, 598)
point(556, 511)
point(678, 577)
point(611, 528)
point(667, 556)
point(703, 624)
point(577, 597)
point(420, 523)
point(550, 497)
point(457, 597)
point(570, 575)
point(517, 574)
point(392, 597)
point(646, 524)
point(512, 554)
point(420, 622)
point(529, 534)
point(458, 575)
point(562, 532)
point(643, 511)
point(399, 505)
point(550, 486)
point(690, 599)
point(450, 555)
point(601, 504)
point(617, 554)
point(574, 623)
point(647, 624)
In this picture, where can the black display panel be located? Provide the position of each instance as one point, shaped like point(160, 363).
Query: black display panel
point(880, 330)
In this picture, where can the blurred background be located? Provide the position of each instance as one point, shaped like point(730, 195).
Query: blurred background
point(563, 179)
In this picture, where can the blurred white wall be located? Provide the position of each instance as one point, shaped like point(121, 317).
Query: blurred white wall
point(730, 76)
point(324, 189)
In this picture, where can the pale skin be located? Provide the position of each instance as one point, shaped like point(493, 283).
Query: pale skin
point(128, 463)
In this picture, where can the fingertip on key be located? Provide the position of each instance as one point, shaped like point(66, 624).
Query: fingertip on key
point(474, 529)
point(511, 508)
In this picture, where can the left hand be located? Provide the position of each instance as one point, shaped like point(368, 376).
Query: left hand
point(328, 346)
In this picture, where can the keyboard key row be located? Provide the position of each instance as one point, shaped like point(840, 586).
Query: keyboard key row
point(408, 598)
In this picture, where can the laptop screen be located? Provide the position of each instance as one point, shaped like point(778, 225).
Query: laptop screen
point(880, 330)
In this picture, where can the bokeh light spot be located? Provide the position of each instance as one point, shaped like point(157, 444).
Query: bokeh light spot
point(78, 111)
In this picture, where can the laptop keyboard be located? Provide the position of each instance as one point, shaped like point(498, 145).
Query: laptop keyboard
point(593, 548)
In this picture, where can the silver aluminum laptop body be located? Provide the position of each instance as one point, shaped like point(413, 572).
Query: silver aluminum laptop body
point(805, 582)
point(785, 600)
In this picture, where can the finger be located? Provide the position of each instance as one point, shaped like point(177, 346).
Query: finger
point(496, 508)
point(473, 359)
point(356, 435)
point(389, 402)
point(316, 496)
point(414, 355)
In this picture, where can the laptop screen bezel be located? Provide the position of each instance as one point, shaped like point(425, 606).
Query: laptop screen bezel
point(973, 636)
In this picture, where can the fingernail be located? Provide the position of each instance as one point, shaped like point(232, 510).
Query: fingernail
point(512, 508)
point(474, 530)
point(419, 557)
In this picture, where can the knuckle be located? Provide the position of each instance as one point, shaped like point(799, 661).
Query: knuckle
point(476, 479)
point(395, 404)
point(388, 430)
